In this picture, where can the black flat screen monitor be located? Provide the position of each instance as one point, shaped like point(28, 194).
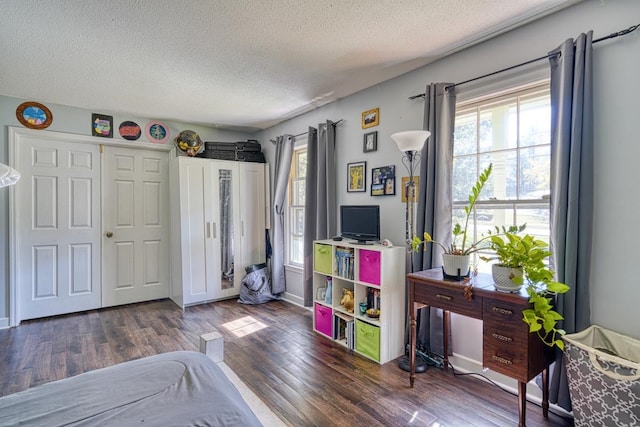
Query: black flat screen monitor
point(360, 223)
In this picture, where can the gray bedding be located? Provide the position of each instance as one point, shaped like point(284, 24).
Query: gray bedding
point(172, 389)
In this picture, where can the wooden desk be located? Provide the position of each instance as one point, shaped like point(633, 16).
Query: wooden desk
point(507, 345)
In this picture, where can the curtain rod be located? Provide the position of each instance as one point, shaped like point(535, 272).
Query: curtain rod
point(273, 141)
point(610, 36)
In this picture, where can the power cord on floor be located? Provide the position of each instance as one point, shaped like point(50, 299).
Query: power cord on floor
point(568, 417)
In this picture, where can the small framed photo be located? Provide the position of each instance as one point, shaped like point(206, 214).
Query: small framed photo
point(370, 118)
point(383, 181)
point(357, 173)
point(101, 125)
point(370, 142)
point(412, 194)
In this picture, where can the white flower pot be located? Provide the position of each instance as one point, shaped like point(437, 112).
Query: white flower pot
point(456, 265)
point(502, 278)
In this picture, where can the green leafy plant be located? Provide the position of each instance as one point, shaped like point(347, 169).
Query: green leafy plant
point(460, 243)
point(531, 255)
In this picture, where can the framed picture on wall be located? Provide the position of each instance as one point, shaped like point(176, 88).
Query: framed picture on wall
point(405, 183)
point(357, 177)
point(34, 115)
point(370, 118)
point(370, 142)
point(383, 181)
point(102, 125)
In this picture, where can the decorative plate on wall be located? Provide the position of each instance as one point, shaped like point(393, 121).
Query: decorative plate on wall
point(34, 115)
point(157, 132)
point(130, 130)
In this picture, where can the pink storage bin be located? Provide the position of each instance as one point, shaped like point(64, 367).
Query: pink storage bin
point(323, 319)
point(370, 266)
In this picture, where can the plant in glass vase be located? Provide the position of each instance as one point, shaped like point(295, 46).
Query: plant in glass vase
point(526, 257)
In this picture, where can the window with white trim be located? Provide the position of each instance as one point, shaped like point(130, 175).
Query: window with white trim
point(512, 131)
point(296, 206)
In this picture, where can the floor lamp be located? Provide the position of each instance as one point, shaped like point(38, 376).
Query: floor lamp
point(410, 143)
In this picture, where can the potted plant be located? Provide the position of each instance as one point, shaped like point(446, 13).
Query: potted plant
point(455, 258)
point(525, 258)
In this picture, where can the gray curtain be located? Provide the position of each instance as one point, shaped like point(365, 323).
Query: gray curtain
point(434, 200)
point(284, 153)
point(320, 210)
point(571, 190)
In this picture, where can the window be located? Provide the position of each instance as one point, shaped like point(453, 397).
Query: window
point(296, 206)
point(511, 130)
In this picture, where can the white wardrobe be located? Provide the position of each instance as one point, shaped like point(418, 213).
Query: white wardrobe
point(219, 222)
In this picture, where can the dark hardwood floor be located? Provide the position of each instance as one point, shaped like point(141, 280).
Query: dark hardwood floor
point(305, 379)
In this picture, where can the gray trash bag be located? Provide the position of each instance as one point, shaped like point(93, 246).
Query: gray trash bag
point(256, 286)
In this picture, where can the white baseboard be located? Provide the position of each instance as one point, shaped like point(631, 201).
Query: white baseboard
point(293, 299)
point(4, 322)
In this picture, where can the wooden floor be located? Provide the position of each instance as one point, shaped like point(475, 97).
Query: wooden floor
point(305, 379)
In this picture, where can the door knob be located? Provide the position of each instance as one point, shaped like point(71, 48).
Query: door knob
point(109, 234)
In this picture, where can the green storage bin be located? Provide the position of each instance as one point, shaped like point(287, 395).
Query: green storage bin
point(322, 258)
point(368, 340)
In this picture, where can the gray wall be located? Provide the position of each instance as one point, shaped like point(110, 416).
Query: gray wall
point(76, 121)
point(616, 232)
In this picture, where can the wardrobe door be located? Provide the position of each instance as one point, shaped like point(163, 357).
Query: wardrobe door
point(229, 270)
point(252, 213)
point(198, 239)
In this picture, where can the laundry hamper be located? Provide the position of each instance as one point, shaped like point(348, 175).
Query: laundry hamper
point(603, 368)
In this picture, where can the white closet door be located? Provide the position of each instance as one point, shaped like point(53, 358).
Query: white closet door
point(199, 235)
point(57, 224)
point(252, 215)
point(228, 256)
point(135, 226)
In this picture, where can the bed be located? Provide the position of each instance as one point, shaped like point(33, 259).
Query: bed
point(179, 388)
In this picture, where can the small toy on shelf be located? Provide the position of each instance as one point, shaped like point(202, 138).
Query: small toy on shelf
point(347, 299)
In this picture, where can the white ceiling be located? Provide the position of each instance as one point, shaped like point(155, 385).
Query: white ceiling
point(237, 64)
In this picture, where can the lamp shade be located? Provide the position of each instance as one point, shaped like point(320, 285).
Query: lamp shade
point(8, 175)
point(411, 140)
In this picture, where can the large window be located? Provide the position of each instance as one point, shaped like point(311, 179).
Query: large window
point(511, 131)
point(296, 206)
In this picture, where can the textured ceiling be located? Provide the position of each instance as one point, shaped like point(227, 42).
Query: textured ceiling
point(236, 64)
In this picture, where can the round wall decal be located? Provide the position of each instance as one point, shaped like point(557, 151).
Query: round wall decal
point(130, 130)
point(34, 115)
point(157, 132)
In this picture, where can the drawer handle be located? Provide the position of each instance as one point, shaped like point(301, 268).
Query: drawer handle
point(444, 297)
point(501, 337)
point(502, 360)
point(502, 310)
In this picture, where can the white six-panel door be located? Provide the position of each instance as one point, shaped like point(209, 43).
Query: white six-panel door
point(57, 226)
point(135, 209)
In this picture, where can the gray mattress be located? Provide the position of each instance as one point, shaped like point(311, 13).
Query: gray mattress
point(181, 388)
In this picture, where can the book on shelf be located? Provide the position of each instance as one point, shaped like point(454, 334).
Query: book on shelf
point(344, 262)
point(343, 328)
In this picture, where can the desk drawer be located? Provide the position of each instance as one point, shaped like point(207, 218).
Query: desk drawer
point(449, 298)
point(505, 348)
point(504, 311)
